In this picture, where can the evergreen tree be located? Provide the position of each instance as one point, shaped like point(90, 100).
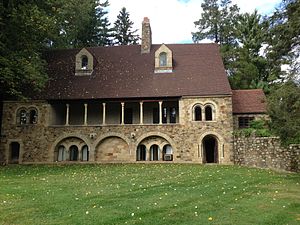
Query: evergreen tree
point(123, 33)
point(284, 39)
point(81, 24)
point(217, 23)
point(250, 67)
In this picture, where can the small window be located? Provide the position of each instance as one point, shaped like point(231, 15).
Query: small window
point(25, 116)
point(208, 113)
point(22, 117)
point(84, 62)
point(197, 113)
point(33, 116)
point(244, 122)
point(163, 59)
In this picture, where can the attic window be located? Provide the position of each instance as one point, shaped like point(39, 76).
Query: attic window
point(84, 62)
point(163, 59)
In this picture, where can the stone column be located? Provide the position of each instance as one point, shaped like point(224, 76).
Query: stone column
point(104, 113)
point(160, 112)
point(67, 114)
point(85, 114)
point(141, 113)
point(122, 116)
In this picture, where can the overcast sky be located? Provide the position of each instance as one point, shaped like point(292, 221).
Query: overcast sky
point(172, 21)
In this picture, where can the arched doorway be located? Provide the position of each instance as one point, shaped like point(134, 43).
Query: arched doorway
point(141, 153)
point(73, 153)
point(154, 153)
point(210, 149)
point(14, 152)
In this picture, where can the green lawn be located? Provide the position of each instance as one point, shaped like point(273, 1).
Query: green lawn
point(151, 194)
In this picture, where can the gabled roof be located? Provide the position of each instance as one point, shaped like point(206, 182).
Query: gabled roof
point(248, 101)
point(123, 72)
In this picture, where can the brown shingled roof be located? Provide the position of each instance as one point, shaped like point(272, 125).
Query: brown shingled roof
point(123, 72)
point(249, 101)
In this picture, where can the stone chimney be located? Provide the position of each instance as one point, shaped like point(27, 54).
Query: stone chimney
point(146, 36)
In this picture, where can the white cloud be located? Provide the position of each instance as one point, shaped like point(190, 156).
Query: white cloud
point(172, 21)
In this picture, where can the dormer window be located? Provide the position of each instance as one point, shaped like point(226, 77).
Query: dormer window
point(84, 64)
point(163, 60)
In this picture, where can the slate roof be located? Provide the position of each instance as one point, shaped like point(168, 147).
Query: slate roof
point(123, 72)
point(248, 101)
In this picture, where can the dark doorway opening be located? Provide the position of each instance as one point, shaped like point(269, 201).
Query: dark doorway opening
point(14, 152)
point(210, 149)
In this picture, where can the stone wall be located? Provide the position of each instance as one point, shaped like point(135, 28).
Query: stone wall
point(266, 152)
point(39, 142)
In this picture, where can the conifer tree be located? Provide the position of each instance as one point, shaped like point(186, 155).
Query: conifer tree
point(123, 33)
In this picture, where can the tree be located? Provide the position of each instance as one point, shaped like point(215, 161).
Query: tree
point(284, 39)
point(250, 67)
point(24, 28)
point(217, 23)
point(81, 24)
point(123, 33)
point(284, 110)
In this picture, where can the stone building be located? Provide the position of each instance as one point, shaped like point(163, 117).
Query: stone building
point(133, 103)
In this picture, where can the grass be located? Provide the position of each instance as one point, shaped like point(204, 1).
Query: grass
point(147, 194)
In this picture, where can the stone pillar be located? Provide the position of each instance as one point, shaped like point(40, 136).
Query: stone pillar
point(122, 115)
point(67, 114)
point(85, 114)
point(104, 113)
point(141, 113)
point(160, 112)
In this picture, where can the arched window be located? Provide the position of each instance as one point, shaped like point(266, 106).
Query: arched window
point(208, 113)
point(84, 62)
point(22, 116)
point(197, 113)
point(163, 59)
point(154, 153)
point(73, 153)
point(167, 153)
point(61, 156)
point(33, 115)
point(141, 153)
point(85, 153)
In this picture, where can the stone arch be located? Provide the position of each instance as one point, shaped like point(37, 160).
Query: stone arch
point(220, 144)
point(59, 141)
point(158, 134)
point(110, 134)
point(112, 148)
